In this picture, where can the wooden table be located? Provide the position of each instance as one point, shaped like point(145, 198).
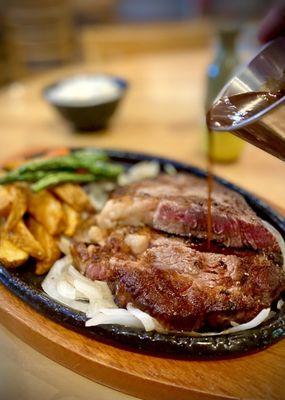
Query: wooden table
point(162, 114)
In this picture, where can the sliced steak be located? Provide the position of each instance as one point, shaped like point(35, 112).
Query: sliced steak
point(183, 288)
point(178, 205)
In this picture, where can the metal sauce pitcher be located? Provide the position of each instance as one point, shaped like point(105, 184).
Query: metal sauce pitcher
point(266, 72)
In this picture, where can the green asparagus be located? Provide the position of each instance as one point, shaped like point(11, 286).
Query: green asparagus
point(53, 171)
point(15, 176)
point(73, 161)
point(55, 178)
point(105, 170)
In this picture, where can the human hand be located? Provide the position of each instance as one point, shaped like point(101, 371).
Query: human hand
point(273, 25)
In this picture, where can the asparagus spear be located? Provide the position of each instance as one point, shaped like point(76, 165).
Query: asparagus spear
point(15, 176)
point(105, 170)
point(55, 178)
point(47, 172)
point(98, 170)
point(79, 159)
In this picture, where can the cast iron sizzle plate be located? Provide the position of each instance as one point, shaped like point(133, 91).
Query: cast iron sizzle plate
point(24, 284)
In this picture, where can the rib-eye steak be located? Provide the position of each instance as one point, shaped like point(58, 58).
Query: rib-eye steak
point(182, 287)
point(178, 205)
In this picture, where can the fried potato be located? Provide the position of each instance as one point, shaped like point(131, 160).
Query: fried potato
point(10, 255)
point(74, 196)
point(71, 220)
point(21, 237)
point(47, 210)
point(19, 198)
point(5, 201)
point(48, 243)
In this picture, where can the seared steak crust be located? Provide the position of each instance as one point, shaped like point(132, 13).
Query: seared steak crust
point(178, 205)
point(183, 288)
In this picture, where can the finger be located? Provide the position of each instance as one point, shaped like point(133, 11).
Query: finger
point(273, 24)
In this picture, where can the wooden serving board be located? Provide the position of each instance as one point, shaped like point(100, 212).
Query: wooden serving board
point(258, 376)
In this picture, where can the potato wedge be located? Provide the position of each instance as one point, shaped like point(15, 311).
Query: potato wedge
point(10, 255)
point(71, 220)
point(43, 266)
point(5, 201)
point(74, 196)
point(21, 237)
point(19, 198)
point(47, 210)
point(48, 243)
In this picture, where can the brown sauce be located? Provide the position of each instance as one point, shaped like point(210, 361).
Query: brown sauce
point(230, 111)
point(210, 188)
point(213, 247)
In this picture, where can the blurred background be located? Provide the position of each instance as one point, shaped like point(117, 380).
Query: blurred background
point(36, 35)
point(175, 55)
point(41, 35)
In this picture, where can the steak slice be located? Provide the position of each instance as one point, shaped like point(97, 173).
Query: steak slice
point(183, 288)
point(178, 205)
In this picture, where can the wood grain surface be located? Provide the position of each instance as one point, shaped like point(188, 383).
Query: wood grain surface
point(161, 114)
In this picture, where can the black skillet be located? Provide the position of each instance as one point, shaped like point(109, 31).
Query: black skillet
point(24, 284)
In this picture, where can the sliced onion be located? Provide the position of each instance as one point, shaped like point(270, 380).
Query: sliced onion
point(170, 169)
point(98, 195)
point(140, 171)
point(64, 245)
point(118, 316)
point(95, 306)
point(90, 291)
point(52, 281)
point(261, 317)
point(148, 322)
point(74, 274)
point(253, 323)
point(66, 285)
point(279, 239)
point(66, 290)
point(280, 304)
point(97, 286)
point(233, 323)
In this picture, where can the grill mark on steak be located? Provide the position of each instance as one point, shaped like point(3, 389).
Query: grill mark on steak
point(178, 205)
point(183, 288)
